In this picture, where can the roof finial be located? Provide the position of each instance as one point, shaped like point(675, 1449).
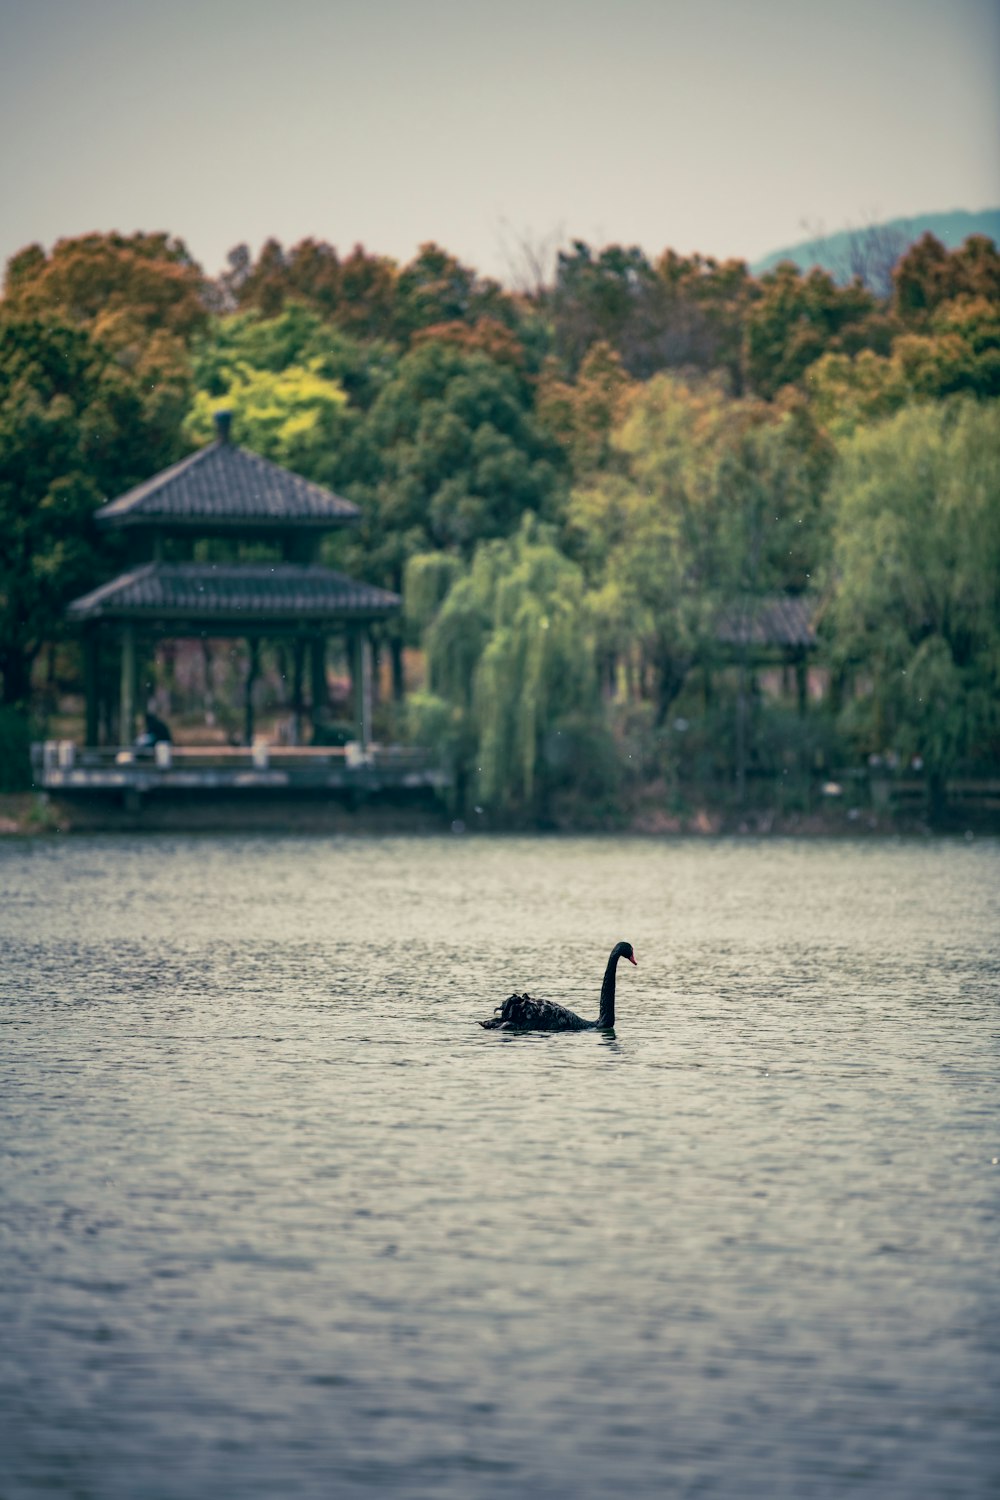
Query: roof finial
point(223, 422)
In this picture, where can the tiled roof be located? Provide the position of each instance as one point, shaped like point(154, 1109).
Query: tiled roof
point(780, 620)
point(224, 485)
point(230, 593)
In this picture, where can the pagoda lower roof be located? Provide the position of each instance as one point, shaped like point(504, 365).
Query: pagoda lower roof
point(224, 486)
point(248, 595)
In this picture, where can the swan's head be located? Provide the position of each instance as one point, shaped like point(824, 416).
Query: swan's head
point(625, 950)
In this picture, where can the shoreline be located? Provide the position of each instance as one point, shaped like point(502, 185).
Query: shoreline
point(38, 814)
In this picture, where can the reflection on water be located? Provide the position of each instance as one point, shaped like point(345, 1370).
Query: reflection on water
point(279, 1219)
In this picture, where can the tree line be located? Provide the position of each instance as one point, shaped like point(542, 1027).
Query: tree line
point(569, 483)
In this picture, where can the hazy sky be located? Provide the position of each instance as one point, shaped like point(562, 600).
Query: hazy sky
point(725, 126)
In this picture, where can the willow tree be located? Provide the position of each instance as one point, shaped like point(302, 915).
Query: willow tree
point(916, 603)
point(510, 652)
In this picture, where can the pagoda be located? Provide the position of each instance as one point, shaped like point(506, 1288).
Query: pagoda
point(226, 491)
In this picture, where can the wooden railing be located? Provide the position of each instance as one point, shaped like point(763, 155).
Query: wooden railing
point(64, 766)
point(66, 754)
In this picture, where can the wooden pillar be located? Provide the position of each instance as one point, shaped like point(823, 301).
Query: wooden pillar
point(317, 679)
point(126, 712)
point(298, 654)
point(253, 666)
point(802, 682)
point(91, 736)
point(208, 665)
point(361, 681)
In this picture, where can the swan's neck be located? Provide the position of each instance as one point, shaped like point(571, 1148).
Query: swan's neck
point(607, 1015)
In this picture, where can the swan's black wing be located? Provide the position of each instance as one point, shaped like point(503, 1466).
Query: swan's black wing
point(522, 1013)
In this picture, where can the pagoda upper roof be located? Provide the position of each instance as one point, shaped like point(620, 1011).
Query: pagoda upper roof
point(226, 487)
point(245, 595)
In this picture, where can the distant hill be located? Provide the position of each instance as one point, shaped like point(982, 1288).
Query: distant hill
point(871, 251)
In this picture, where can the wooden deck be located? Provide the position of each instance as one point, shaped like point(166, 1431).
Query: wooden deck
point(64, 768)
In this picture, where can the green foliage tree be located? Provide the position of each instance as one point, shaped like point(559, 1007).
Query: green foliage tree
point(509, 652)
point(462, 457)
point(297, 336)
point(284, 416)
point(916, 568)
point(76, 428)
point(714, 499)
point(301, 391)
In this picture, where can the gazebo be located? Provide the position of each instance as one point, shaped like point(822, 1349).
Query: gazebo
point(226, 491)
point(776, 630)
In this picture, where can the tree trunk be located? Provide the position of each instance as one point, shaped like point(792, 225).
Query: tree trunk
point(671, 676)
point(398, 679)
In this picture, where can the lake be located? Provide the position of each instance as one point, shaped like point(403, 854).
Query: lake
point(279, 1219)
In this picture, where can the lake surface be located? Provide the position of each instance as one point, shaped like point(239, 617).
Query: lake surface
point(279, 1219)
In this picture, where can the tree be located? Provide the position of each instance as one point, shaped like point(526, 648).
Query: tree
point(140, 296)
point(358, 294)
point(284, 416)
point(300, 390)
point(848, 392)
point(123, 288)
point(928, 276)
point(462, 456)
point(957, 350)
point(582, 414)
point(713, 500)
point(368, 296)
point(435, 288)
point(601, 297)
point(509, 652)
point(485, 336)
point(797, 319)
point(916, 570)
point(76, 428)
point(700, 314)
point(683, 313)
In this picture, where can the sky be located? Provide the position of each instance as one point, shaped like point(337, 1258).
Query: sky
point(729, 127)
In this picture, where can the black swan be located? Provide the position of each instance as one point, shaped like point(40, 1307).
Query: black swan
point(522, 1013)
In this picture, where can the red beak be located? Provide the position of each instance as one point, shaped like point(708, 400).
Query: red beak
point(633, 959)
